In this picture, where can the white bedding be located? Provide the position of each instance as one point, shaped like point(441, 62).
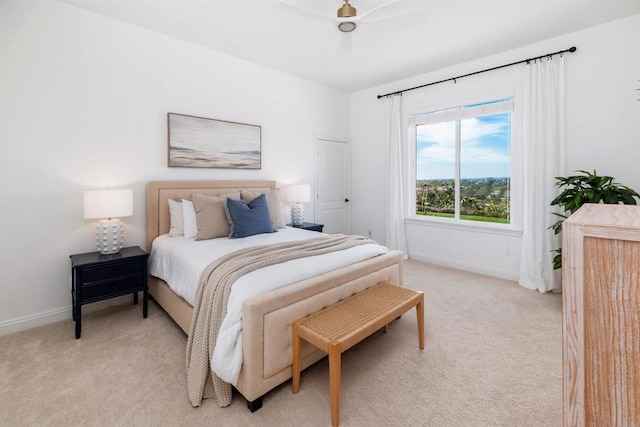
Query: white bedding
point(180, 262)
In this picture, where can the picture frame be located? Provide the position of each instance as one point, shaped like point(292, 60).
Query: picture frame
point(199, 142)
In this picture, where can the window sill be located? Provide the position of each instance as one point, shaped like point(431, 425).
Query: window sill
point(478, 227)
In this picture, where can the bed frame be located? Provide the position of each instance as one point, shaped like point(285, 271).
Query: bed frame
point(267, 318)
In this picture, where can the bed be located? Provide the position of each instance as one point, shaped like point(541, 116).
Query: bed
point(266, 318)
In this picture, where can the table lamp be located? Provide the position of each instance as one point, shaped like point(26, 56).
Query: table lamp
point(297, 194)
point(109, 205)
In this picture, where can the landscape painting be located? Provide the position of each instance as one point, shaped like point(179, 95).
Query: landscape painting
point(198, 142)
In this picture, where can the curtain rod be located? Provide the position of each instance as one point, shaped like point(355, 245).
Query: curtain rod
point(548, 55)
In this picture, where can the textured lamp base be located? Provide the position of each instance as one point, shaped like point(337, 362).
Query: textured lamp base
point(297, 214)
point(109, 236)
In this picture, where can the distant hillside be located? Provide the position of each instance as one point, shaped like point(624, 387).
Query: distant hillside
point(481, 199)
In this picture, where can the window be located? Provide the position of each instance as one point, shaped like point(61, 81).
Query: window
point(463, 162)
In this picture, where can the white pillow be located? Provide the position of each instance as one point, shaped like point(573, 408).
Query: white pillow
point(189, 217)
point(176, 218)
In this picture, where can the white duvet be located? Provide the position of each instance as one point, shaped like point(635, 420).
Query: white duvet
point(180, 262)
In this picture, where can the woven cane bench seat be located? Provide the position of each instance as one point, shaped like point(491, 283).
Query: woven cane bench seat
point(344, 324)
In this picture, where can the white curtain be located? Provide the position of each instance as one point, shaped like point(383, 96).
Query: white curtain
point(543, 140)
point(396, 236)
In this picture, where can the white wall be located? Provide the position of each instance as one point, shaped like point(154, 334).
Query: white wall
point(602, 133)
point(84, 104)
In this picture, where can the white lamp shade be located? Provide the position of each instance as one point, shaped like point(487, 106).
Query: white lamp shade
point(108, 203)
point(300, 193)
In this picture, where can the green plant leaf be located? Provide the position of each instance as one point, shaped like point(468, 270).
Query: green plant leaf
point(557, 259)
point(586, 187)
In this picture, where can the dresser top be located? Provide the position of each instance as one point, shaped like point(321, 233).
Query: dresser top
point(617, 216)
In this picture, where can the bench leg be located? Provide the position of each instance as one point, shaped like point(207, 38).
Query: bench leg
point(334, 382)
point(420, 315)
point(297, 360)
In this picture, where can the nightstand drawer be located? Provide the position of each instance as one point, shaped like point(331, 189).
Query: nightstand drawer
point(109, 288)
point(114, 271)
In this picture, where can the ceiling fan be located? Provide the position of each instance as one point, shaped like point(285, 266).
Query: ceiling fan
point(347, 17)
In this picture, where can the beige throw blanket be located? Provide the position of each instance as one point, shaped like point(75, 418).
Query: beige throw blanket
point(212, 295)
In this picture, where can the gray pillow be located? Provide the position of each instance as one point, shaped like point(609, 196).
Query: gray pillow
point(210, 215)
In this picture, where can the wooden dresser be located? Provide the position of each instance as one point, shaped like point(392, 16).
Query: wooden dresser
point(601, 325)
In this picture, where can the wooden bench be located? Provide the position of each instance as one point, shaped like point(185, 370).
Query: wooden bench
point(344, 324)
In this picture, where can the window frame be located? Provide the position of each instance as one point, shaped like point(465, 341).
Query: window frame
point(516, 179)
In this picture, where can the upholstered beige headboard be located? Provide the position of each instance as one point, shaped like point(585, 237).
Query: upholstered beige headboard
point(158, 192)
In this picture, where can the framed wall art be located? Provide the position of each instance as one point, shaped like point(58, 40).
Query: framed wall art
point(198, 142)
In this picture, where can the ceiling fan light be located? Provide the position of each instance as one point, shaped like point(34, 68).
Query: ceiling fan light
point(347, 11)
point(347, 27)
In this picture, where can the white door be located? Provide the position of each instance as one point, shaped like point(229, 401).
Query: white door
point(333, 173)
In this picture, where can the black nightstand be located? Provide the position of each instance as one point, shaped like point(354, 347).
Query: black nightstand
point(309, 226)
point(95, 277)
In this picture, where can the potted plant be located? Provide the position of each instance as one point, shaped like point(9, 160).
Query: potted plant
point(587, 188)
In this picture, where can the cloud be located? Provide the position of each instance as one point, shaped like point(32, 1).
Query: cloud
point(485, 146)
point(438, 142)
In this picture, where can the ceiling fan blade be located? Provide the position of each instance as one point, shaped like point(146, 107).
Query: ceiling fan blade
point(373, 12)
point(344, 48)
point(390, 10)
point(303, 10)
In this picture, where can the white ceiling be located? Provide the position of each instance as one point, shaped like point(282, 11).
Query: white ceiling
point(437, 34)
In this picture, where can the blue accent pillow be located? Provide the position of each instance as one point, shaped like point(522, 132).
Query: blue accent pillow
point(248, 219)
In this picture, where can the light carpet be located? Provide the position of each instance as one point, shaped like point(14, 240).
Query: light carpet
point(492, 358)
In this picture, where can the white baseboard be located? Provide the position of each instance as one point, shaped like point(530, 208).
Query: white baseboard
point(474, 268)
point(40, 319)
point(52, 316)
